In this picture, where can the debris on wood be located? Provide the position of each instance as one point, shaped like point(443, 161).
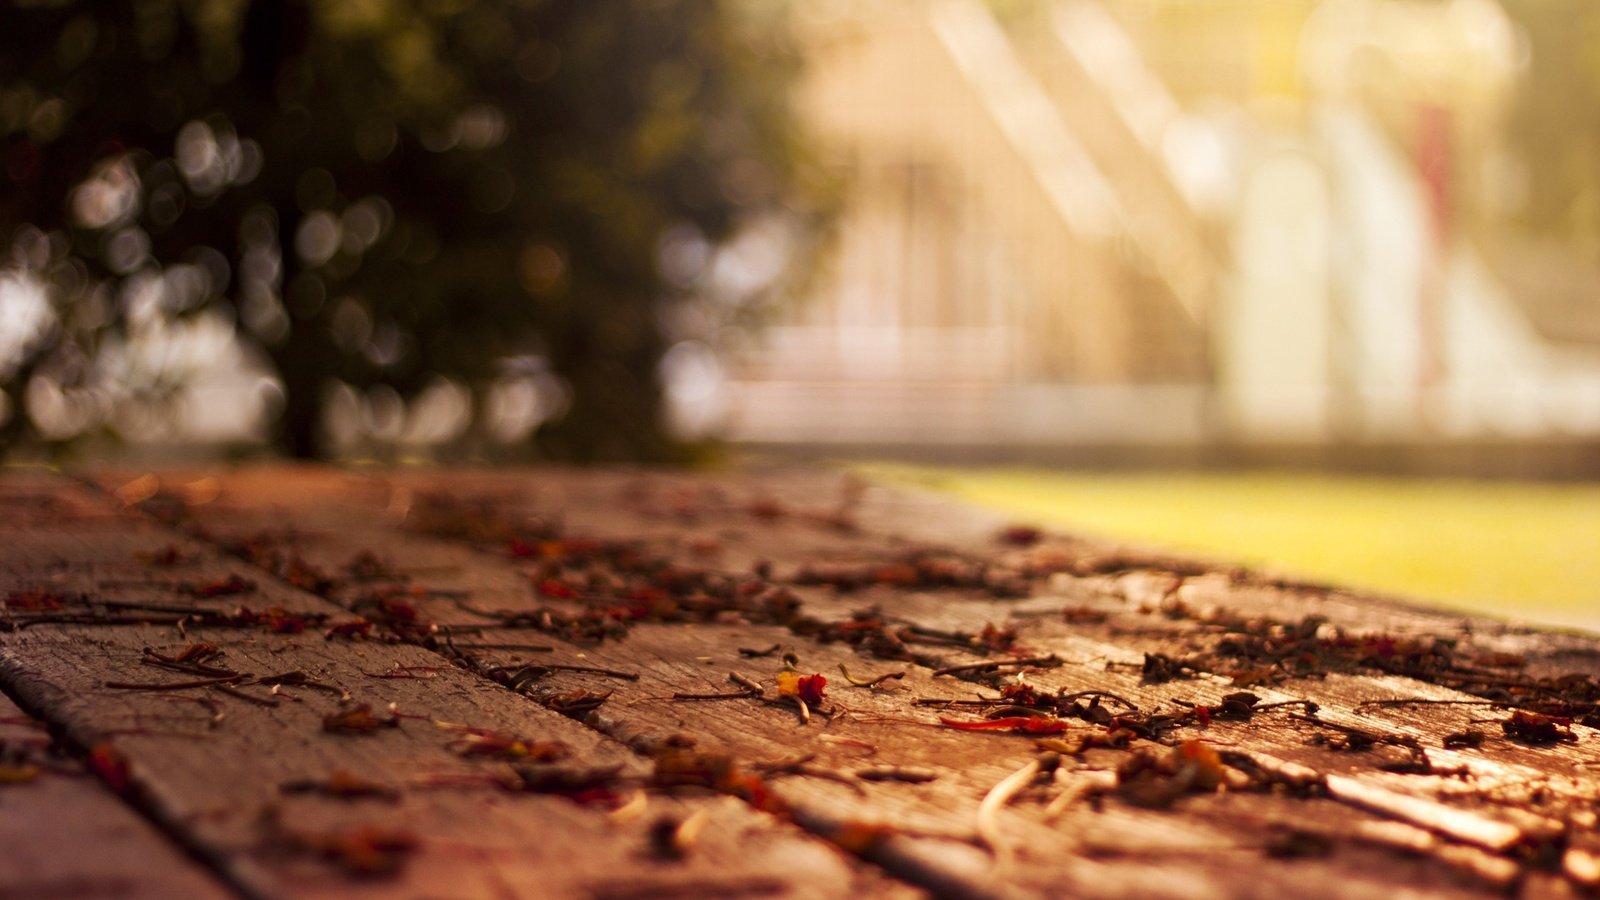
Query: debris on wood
point(472, 741)
point(362, 851)
point(358, 719)
point(342, 785)
point(1537, 730)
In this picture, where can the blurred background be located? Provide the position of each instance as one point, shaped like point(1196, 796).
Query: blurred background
point(1163, 252)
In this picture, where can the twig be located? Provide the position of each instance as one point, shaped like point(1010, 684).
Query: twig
point(214, 708)
point(189, 668)
point(128, 606)
point(994, 801)
point(798, 766)
point(896, 773)
point(1362, 734)
point(93, 620)
point(1102, 695)
point(1050, 661)
point(538, 670)
point(400, 671)
point(301, 679)
point(730, 695)
point(869, 682)
point(1072, 793)
point(939, 701)
point(173, 685)
point(1468, 827)
point(249, 698)
point(1310, 706)
point(1418, 701)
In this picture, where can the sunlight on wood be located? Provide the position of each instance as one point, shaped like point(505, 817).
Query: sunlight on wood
point(1512, 549)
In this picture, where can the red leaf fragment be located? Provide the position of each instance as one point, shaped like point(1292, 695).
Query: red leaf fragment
point(170, 555)
point(1501, 660)
point(896, 575)
point(577, 703)
point(999, 640)
point(555, 587)
point(219, 587)
point(1020, 535)
point(112, 767)
point(200, 651)
point(1013, 724)
point(35, 599)
point(1083, 615)
point(369, 566)
point(857, 837)
point(766, 509)
point(811, 688)
point(365, 851)
point(1022, 695)
point(343, 785)
point(306, 576)
point(277, 619)
point(350, 631)
point(808, 688)
point(478, 742)
point(357, 720)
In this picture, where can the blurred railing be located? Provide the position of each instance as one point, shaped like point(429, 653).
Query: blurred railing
point(985, 256)
point(1028, 254)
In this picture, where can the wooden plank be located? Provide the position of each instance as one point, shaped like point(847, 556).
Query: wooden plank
point(214, 768)
point(1546, 769)
point(1200, 848)
point(67, 836)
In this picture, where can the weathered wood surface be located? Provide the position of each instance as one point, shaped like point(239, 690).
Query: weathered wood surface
point(217, 785)
point(467, 573)
point(67, 836)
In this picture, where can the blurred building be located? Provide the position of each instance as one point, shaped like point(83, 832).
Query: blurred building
point(1169, 224)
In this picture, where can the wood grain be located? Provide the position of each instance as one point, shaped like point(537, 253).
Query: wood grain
point(216, 783)
point(1380, 831)
point(66, 836)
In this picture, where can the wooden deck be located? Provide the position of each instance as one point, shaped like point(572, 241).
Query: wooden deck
point(308, 682)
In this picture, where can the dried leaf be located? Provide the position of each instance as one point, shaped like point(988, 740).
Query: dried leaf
point(806, 687)
point(365, 851)
point(859, 837)
point(344, 785)
point(1013, 724)
point(18, 774)
point(112, 767)
point(357, 720)
point(1538, 730)
point(501, 746)
point(219, 587)
point(352, 630)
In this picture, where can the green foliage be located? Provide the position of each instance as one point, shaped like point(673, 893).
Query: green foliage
point(387, 192)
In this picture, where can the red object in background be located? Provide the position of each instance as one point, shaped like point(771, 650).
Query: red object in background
point(1434, 155)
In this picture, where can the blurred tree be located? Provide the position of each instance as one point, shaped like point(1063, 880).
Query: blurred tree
point(388, 192)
